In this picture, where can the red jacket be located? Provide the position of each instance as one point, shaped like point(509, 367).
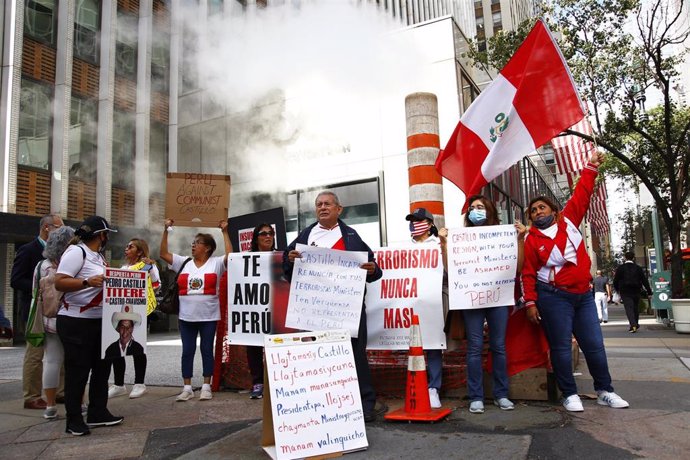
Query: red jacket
point(544, 256)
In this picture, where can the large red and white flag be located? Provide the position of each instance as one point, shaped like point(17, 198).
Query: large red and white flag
point(531, 100)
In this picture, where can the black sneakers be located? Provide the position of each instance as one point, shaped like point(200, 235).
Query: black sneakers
point(107, 420)
point(77, 428)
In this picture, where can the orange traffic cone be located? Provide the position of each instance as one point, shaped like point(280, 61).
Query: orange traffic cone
point(417, 405)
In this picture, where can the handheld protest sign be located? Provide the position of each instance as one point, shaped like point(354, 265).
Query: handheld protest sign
point(313, 393)
point(197, 200)
point(482, 264)
point(123, 325)
point(412, 283)
point(240, 228)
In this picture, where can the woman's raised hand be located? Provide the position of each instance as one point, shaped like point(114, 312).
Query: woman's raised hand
point(168, 223)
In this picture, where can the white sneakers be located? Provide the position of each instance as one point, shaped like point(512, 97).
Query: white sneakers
point(205, 392)
point(504, 404)
point(434, 399)
point(117, 390)
point(573, 404)
point(186, 395)
point(611, 399)
point(137, 391)
point(477, 407)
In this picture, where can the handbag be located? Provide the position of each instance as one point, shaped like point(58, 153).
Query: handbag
point(35, 333)
point(170, 303)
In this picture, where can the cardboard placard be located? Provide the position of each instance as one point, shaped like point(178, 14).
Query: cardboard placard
point(123, 325)
point(313, 395)
point(327, 290)
point(482, 264)
point(411, 284)
point(197, 200)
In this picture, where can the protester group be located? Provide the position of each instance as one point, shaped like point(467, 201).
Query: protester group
point(60, 276)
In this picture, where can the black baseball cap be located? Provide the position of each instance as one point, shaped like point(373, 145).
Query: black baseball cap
point(420, 214)
point(93, 225)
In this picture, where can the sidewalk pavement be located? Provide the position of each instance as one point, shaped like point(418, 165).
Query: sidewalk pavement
point(649, 368)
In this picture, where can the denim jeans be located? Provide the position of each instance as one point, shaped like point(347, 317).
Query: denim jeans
point(563, 315)
point(434, 360)
point(497, 319)
point(188, 333)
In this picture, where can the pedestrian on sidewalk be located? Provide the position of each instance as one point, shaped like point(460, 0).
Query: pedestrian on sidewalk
point(81, 276)
point(556, 277)
point(198, 283)
point(602, 296)
point(137, 257)
point(629, 281)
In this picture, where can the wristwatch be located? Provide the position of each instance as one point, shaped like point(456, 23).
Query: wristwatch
point(85, 283)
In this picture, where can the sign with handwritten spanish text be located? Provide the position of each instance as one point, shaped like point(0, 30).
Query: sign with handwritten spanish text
point(412, 283)
point(482, 264)
point(197, 200)
point(314, 395)
point(326, 290)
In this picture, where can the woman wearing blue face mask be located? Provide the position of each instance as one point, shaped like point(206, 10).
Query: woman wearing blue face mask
point(482, 212)
point(555, 278)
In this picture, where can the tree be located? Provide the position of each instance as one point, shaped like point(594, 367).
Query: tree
point(618, 51)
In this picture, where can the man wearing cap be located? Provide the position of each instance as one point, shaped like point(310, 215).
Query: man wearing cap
point(124, 322)
point(26, 259)
point(80, 276)
point(331, 232)
point(423, 231)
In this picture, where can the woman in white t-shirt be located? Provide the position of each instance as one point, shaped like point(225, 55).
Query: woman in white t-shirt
point(80, 276)
point(198, 284)
point(137, 257)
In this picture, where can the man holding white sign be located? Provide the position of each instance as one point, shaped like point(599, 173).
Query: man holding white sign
point(331, 232)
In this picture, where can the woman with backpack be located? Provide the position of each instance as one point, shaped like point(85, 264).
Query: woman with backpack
point(137, 257)
point(47, 307)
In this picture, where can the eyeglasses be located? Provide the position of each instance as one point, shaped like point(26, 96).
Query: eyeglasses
point(266, 233)
point(195, 242)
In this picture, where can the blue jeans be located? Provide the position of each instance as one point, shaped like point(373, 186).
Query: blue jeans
point(434, 368)
point(497, 318)
point(563, 315)
point(188, 333)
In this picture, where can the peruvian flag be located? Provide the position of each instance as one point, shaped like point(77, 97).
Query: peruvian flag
point(531, 100)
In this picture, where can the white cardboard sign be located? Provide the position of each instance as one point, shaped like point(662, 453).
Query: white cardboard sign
point(314, 395)
point(411, 284)
point(482, 263)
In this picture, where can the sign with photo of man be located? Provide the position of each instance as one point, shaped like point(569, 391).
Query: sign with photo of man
point(124, 313)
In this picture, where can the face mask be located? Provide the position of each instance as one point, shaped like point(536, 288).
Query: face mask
point(544, 221)
point(477, 216)
point(419, 228)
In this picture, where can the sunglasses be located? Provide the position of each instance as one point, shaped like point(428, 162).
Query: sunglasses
point(265, 233)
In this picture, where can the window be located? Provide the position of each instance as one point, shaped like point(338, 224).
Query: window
point(34, 125)
point(123, 149)
point(40, 20)
point(86, 21)
point(160, 62)
point(215, 7)
point(158, 156)
point(190, 72)
point(83, 129)
point(126, 46)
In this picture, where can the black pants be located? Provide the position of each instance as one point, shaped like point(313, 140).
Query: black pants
point(81, 339)
point(255, 360)
point(631, 302)
point(359, 349)
point(139, 369)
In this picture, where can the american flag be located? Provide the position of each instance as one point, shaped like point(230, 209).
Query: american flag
point(572, 153)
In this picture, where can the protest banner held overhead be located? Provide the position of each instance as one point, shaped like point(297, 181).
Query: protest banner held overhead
point(313, 393)
point(411, 284)
point(124, 313)
point(327, 290)
point(482, 265)
point(197, 200)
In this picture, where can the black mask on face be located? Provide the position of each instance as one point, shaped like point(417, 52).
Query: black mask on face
point(543, 222)
point(104, 242)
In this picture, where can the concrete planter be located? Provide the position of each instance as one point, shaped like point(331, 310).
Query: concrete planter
point(681, 315)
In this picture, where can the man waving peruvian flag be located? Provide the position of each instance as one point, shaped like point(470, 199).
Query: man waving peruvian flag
point(532, 100)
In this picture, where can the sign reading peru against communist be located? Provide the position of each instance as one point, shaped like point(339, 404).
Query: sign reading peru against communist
point(327, 290)
point(197, 200)
point(313, 393)
point(482, 263)
point(411, 284)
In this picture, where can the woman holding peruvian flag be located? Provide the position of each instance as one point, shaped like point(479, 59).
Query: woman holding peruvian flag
point(556, 276)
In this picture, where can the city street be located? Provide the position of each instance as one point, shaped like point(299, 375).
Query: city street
point(650, 370)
